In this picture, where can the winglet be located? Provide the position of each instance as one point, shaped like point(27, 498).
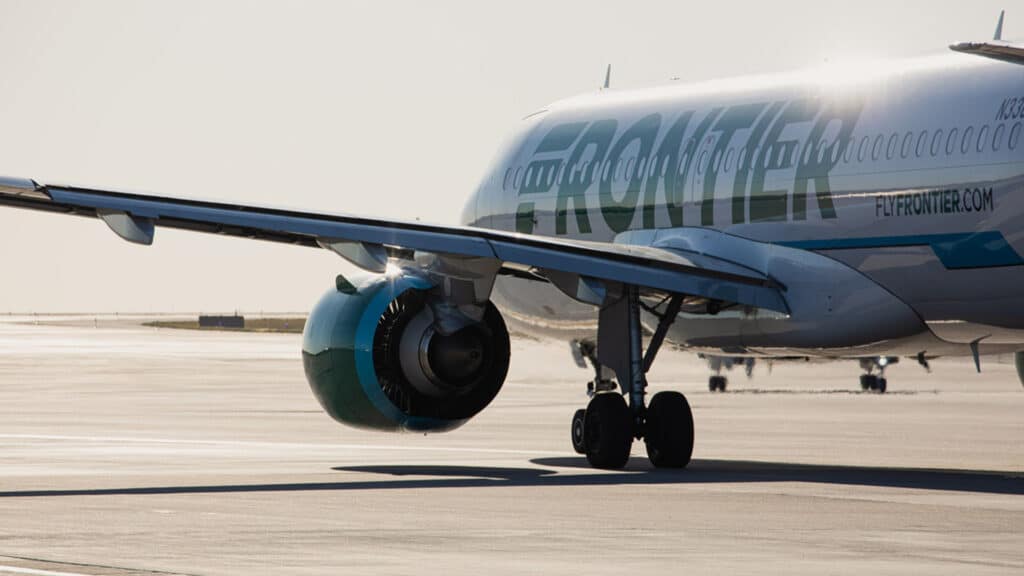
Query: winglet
point(999, 26)
point(608, 77)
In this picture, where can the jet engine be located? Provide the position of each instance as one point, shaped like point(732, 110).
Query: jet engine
point(377, 357)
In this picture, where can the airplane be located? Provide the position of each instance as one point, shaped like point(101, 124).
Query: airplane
point(863, 213)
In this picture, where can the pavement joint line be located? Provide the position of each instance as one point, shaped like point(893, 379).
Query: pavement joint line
point(36, 572)
point(128, 439)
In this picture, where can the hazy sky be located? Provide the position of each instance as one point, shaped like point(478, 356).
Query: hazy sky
point(381, 108)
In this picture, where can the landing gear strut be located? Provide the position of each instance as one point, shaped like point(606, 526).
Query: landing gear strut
point(609, 424)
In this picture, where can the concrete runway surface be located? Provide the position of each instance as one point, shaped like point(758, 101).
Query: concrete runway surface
point(131, 450)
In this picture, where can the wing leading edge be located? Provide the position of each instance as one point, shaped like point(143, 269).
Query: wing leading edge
point(368, 241)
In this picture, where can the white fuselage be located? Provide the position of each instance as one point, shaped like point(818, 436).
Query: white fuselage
point(888, 199)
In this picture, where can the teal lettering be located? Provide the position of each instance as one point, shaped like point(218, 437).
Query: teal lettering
point(772, 205)
point(815, 166)
point(574, 184)
point(733, 120)
point(618, 214)
point(746, 161)
point(666, 160)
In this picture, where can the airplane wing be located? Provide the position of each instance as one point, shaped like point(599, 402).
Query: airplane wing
point(369, 242)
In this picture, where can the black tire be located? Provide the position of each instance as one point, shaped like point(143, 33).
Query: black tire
point(578, 423)
point(608, 431)
point(882, 385)
point(717, 383)
point(669, 433)
point(865, 382)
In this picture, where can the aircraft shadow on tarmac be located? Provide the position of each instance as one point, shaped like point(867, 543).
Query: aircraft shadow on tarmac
point(638, 472)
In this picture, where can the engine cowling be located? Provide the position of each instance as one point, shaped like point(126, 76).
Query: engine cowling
point(375, 359)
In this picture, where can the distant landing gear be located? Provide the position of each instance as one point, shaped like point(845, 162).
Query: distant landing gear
point(717, 382)
point(605, 431)
point(871, 382)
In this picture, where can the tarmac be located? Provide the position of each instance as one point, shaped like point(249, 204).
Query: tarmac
point(132, 450)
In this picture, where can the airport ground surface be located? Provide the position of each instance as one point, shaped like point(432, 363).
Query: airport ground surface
point(131, 450)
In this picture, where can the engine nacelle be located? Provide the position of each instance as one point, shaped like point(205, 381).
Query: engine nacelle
point(375, 359)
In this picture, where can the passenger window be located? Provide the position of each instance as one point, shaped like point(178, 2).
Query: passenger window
point(876, 150)
point(936, 142)
point(809, 153)
point(517, 180)
point(997, 138)
point(742, 159)
point(823, 152)
point(1014, 136)
point(982, 138)
point(508, 176)
point(683, 163)
point(951, 141)
point(894, 141)
point(965, 144)
point(922, 141)
point(908, 141)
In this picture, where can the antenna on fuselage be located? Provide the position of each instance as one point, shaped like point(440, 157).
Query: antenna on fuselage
point(608, 77)
point(999, 26)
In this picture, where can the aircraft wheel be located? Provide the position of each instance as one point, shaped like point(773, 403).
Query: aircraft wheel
point(608, 431)
point(717, 383)
point(865, 382)
point(577, 431)
point(881, 386)
point(669, 433)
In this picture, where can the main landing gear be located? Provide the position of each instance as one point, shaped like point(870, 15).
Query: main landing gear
point(605, 431)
